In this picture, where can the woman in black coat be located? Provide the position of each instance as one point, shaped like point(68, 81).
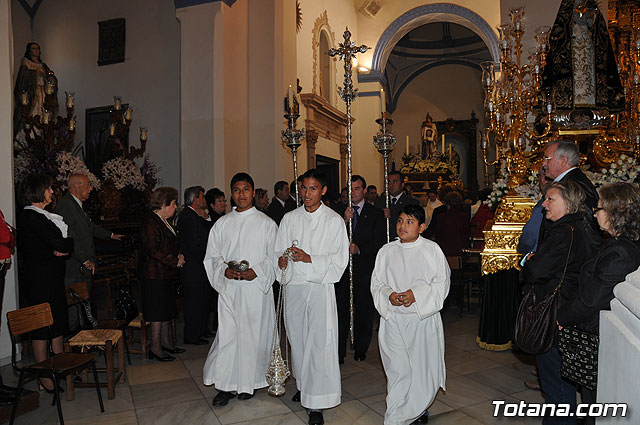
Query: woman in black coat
point(568, 239)
point(44, 247)
point(618, 214)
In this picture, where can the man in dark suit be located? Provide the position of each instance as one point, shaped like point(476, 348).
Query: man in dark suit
point(291, 201)
point(281, 203)
point(81, 264)
point(368, 237)
point(561, 160)
point(193, 233)
point(397, 199)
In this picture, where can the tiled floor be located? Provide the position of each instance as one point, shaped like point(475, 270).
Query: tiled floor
point(173, 393)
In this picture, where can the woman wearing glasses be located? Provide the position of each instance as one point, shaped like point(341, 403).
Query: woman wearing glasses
point(618, 214)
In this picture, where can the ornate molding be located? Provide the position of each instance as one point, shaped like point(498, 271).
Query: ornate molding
point(311, 139)
point(321, 24)
point(420, 16)
point(328, 121)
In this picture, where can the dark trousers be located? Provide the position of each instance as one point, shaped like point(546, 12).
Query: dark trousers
point(556, 390)
point(363, 313)
point(197, 304)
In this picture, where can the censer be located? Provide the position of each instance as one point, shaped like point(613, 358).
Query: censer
point(278, 368)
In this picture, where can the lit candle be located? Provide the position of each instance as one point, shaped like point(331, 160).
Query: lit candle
point(117, 102)
point(69, 99)
point(443, 144)
point(407, 145)
point(290, 99)
point(383, 103)
point(24, 98)
point(127, 114)
point(143, 134)
point(72, 124)
point(112, 129)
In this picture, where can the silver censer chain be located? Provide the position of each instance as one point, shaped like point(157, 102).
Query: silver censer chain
point(278, 368)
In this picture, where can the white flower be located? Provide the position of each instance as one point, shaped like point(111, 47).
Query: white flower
point(123, 172)
point(69, 165)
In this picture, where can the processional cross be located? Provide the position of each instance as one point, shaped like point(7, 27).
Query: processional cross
point(347, 50)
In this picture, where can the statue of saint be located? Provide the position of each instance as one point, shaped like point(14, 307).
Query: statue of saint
point(429, 135)
point(581, 69)
point(32, 80)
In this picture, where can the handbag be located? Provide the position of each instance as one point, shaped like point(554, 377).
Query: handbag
point(579, 350)
point(83, 311)
point(125, 307)
point(535, 326)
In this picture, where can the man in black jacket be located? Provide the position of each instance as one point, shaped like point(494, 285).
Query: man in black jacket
point(397, 200)
point(281, 203)
point(368, 237)
point(193, 233)
point(561, 161)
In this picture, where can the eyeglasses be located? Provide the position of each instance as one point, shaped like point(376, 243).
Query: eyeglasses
point(596, 209)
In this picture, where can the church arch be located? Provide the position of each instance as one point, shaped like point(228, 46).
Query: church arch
point(425, 14)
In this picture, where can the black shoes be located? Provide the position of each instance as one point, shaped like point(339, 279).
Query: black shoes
point(315, 418)
point(201, 341)
point(423, 419)
point(222, 399)
point(245, 396)
point(167, 358)
point(296, 397)
point(359, 356)
point(173, 350)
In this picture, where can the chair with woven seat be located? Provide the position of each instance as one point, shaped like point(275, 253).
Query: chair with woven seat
point(56, 367)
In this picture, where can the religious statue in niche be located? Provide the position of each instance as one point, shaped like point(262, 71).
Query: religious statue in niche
point(35, 79)
point(429, 135)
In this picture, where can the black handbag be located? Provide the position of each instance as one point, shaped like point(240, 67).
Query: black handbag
point(125, 307)
point(579, 351)
point(83, 311)
point(535, 326)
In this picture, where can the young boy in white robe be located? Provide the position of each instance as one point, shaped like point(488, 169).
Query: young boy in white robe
point(238, 358)
point(318, 260)
point(409, 284)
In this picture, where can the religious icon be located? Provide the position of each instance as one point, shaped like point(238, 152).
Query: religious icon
point(429, 135)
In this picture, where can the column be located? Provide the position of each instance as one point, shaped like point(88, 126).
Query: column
point(311, 140)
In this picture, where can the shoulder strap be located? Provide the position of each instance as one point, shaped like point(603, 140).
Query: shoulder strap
point(566, 263)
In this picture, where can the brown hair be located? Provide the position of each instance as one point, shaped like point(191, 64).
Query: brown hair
point(161, 197)
point(32, 188)
point(572, 194)
point(621, 202)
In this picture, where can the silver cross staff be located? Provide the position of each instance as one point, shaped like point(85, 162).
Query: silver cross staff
point(347, 51)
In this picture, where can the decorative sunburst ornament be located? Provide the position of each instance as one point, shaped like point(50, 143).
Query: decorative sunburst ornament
point(298, 16)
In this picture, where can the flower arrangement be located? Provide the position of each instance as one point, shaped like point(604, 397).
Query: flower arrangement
point(123, 173)
point(69, 164)
point(498, 191)
point(625, 169)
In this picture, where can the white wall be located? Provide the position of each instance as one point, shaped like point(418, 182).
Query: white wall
point(6, 166)
point(149, 79)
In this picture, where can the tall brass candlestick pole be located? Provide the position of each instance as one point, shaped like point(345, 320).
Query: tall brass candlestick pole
point(384, 142)
point(292, 137)
point(347, 52)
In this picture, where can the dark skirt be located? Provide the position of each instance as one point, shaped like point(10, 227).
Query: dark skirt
point(44, 283)
point(159, 300)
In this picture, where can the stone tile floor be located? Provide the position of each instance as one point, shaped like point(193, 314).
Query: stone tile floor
point(173, 393)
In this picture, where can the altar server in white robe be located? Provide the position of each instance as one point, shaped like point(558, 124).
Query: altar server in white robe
point(238, 358)
point(318, 260)
point(409, 284)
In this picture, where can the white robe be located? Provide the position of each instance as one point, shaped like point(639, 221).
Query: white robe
point(241, 350)
point(311, 313)
point(411, 338)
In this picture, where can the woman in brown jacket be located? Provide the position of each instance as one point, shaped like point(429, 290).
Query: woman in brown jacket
point(158, 269)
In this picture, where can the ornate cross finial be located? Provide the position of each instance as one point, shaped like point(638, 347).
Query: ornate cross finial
point(347, 51)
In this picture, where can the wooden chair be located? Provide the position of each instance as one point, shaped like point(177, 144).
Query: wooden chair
point(107, 337)
point(57, 366)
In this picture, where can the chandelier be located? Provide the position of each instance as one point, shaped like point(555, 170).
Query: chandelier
point(512, 91)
